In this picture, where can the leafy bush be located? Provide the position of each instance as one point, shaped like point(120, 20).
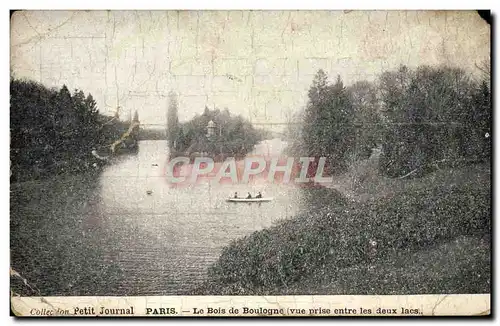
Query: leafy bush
point(346, 235)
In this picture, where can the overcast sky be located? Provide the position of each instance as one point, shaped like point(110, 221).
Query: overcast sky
point(257, 63)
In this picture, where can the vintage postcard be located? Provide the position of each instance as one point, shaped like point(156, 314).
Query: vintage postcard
point(250, 163)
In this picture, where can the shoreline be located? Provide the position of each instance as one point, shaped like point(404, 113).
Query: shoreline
point(424, 219)
point(89, 165)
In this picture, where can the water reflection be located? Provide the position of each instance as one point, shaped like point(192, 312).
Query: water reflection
point(108, 236)
point(169, 238)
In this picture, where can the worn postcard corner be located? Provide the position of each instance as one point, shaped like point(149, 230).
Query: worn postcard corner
point(250, 163)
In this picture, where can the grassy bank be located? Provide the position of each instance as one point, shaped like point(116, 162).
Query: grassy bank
point(431, 239)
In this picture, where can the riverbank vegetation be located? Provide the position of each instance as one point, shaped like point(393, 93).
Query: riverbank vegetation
point(152, 134)
point(216, 133)
point(54, 131)
point(416, 217)
point(421, 119)
point(426, 237)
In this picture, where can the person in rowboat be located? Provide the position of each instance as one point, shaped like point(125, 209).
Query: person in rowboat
point(235, 195)
point(249, 196)
point(259, 195)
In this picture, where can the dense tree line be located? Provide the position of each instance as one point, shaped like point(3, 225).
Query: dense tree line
point(232, 135)
point(53, 131)
point(339, 123)
point(152, 134)
point(423, 118)
point(433, 117)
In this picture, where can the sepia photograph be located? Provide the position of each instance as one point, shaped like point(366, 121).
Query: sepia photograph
point(250, 162)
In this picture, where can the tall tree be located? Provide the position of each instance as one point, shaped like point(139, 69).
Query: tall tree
point(328, 121)
point(172, 120)
point(312, 132)
point(393, 89)
point(91, 104)
point(363, 95)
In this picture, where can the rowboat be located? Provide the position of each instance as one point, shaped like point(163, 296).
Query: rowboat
point(250, 200)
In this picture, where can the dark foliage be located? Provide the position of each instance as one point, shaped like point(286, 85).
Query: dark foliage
point(330, 239)
point(328, 129)
point(230, 135)
point(423, 119)
point(433, 117)
point(53, 131)
point(152, 134)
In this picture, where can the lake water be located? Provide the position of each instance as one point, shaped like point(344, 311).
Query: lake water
point(104, 235)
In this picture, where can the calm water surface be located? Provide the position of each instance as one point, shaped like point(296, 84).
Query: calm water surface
point(104, 235)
